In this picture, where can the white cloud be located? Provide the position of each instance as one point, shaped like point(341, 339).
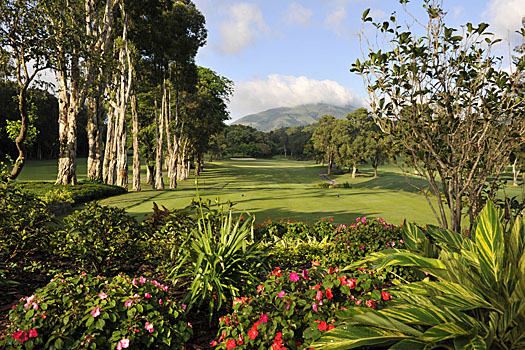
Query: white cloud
point(287, 91)
point(377, 14)
point(335, 18)
point(244, 24)
point(458, 11)
point(504, 17)
point(298, 14)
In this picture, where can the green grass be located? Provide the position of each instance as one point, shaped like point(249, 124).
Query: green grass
point(283, 189)
point(277, 189)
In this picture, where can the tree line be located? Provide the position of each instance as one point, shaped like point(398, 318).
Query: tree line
point(120, 63)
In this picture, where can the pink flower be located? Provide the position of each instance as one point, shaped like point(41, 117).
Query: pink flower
point(184, 306)
point(305, 274)
point(189, 324)
point(95, 312)
point(142, 280)
point(160, 301)
point(294, 277)
point(264, 318)
point(35, 306)
point(281, 294)
point(147, 295)
point(128, 302)
point(358, 302)
point(363, 220)
point(314, 307)
point(102, 295)
point(149, 327)
point(134, 281)
point(123, 344)
point(319, 295)
point(33, 333)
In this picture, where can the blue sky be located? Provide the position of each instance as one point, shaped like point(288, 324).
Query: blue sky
point(290, 52)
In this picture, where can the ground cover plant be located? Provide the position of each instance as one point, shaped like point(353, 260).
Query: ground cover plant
point(473, 298)
point(292, 309)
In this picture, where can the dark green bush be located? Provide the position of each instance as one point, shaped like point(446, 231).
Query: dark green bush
point(82, 193)
point(23, 221)
point(101, 238)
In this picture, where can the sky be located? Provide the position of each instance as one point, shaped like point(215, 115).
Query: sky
point(283, 53)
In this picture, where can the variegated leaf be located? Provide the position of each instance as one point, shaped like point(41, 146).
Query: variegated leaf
point(414, 315)
point(352, 337)
point(445, 331)
point(377, 319)
point(470, 343)
point(446, 237)
point(490, 244)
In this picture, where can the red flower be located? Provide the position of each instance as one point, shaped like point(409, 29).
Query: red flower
point(386, 296)
point(277, 272)
point(260, 288)
point(330, 270)
point(329, 327)
point(20, 336)
point(322, 326)
point(316, 287)
point(329, 294)
point(315, 263)
point(371, 303)
point(358, 302)
point(33, 333)
point(241, 340)
point(213, 343)
point(253, 333)
point(319, 295)
point(230, 344)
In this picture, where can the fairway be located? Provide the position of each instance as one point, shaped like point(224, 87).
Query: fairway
point(285, 189)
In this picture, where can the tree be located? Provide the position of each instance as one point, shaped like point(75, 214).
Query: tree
point(443, 98)
point(23, 40)
point(323, 140)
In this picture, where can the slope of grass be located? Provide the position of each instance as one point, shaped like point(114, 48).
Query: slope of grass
point(283, 189)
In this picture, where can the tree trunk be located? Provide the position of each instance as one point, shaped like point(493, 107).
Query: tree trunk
point(107, 148)
point(149, 174)
point(94, 161)
point(354, 171)
point(329, 166)
point(375, 171)
point(67, 122)
point(136, 154)
point(20, 139)
point(159, 134)
point(515, 172)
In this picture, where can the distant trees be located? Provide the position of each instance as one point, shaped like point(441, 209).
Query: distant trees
point(445, 102)
point(351, 141)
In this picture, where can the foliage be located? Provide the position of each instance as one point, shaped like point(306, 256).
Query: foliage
point(81, 193)
point(293, 309)
point(457, 126)
point(81, 311)
point(474, 300)
point(216, 263)
point(23, 220)
point(57, 195)
point(100, 238)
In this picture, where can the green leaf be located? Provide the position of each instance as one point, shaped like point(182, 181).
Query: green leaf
point(352, 337)
point(490, 244)
point(446, 237)
point(470, 343)
point(411, 344)
point(445, 331)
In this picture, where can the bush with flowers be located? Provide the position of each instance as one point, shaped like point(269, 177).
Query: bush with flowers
point(84, 311)
point(293, 309)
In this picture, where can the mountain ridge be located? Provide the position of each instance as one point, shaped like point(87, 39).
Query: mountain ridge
point(280, 117)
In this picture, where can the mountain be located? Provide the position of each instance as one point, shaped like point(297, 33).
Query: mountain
point(276, 118)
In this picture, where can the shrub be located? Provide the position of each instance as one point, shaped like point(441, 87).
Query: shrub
point(474, 300)
point(82, 311)
point(293, 309)
point(100, 237)
point(216, 265)
point(23, 221)
point(82, 193)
